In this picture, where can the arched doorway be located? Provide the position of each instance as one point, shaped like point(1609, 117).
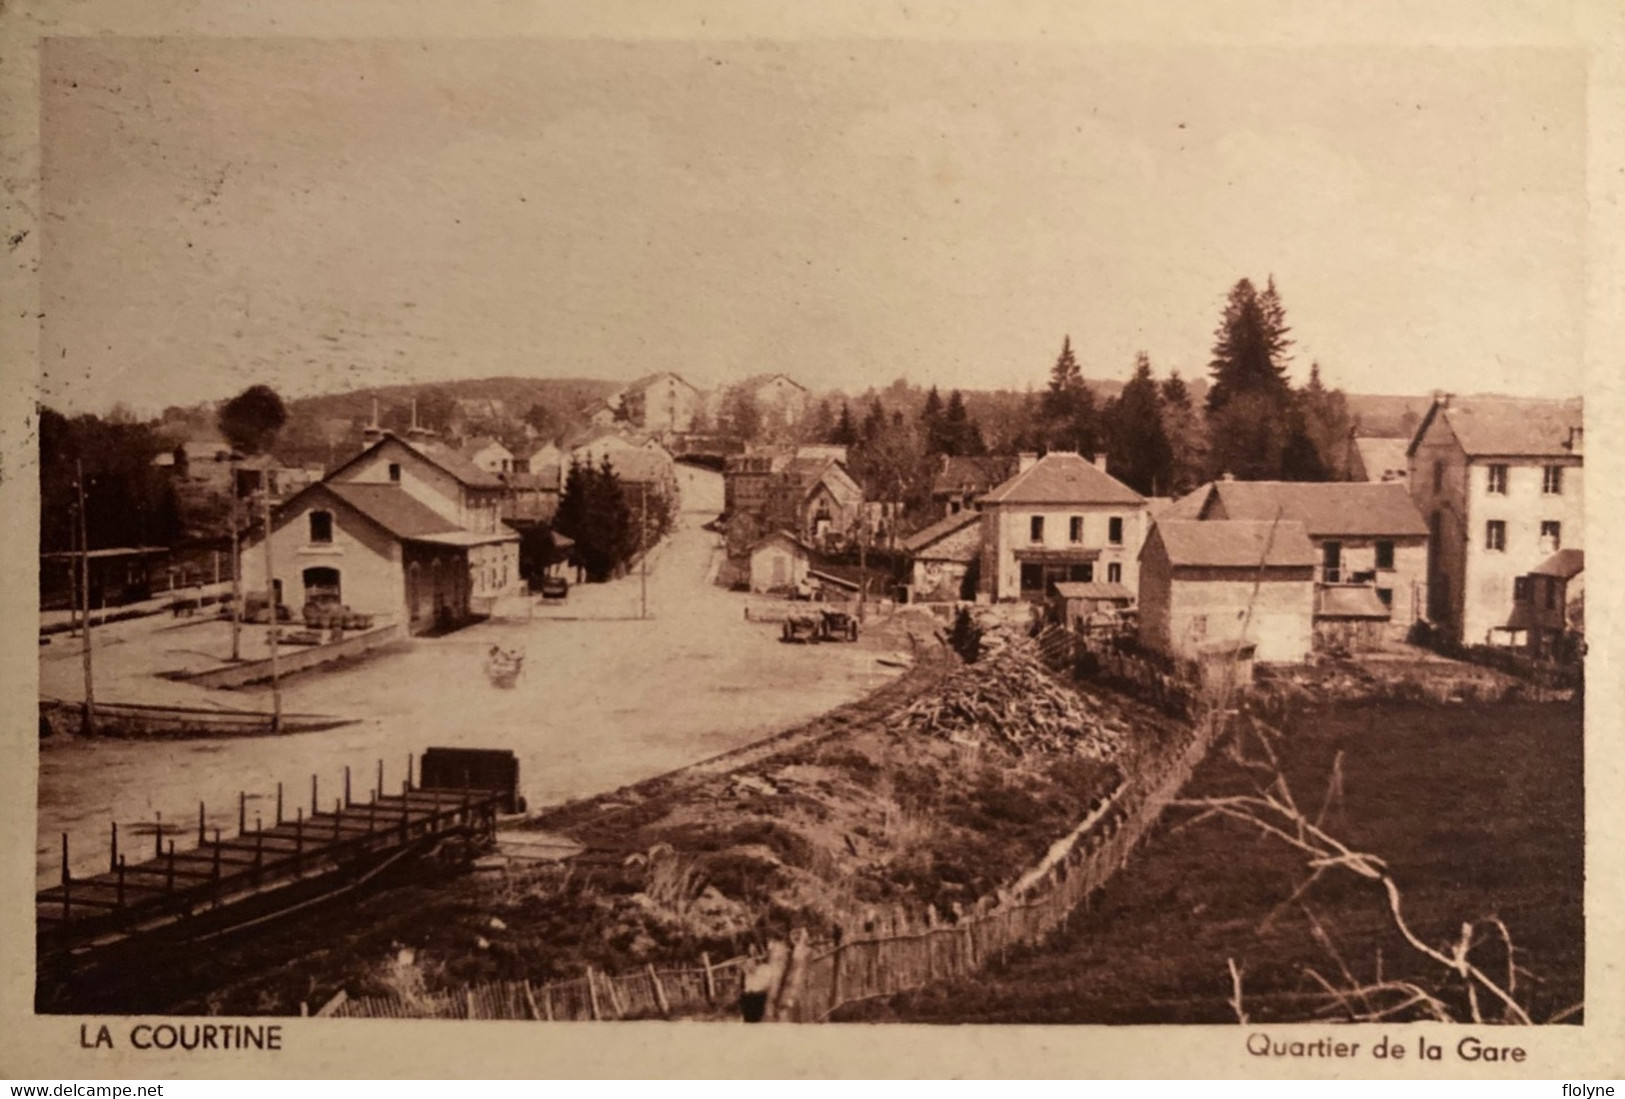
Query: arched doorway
point(322, 585)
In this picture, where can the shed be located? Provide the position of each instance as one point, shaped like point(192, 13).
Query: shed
point(1083, 606)
point(779, 562)
point(1218, 580)
point(1349, 618)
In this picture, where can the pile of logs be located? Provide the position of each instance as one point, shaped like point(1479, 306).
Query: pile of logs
point(1010, 697)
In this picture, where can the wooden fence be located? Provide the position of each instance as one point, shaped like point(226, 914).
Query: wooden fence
point(898, 952)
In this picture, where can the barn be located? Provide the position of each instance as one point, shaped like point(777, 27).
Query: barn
point(1228, 580)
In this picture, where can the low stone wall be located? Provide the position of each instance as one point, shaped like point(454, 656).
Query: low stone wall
point(291, 659)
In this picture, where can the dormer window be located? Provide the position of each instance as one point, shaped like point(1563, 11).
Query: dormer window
point(395, 472)
point(321, 527)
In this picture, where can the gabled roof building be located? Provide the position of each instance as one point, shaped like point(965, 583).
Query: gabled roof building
point(1499, 482)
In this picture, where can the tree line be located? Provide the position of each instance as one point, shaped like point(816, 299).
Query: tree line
point(1158, 437)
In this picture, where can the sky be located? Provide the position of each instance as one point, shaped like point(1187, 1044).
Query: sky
point(322, 215)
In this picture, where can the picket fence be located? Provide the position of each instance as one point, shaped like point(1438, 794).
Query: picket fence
point(897, 952)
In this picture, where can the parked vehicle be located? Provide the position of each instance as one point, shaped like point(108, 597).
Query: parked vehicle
point(837, 625)
point(801, 628)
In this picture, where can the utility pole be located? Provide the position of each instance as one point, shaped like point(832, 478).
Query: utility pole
point(89, 726)
point(643, 550)
point(236, 571)
point(271, 602)
point(863, 559)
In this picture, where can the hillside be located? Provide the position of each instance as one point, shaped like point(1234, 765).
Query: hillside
point(563, 395)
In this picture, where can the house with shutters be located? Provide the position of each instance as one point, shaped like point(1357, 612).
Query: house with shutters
point(1370, 541)
point(1499, 482)
point(1060, 518)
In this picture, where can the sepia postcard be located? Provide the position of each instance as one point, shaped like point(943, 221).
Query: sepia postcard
point(854, 541)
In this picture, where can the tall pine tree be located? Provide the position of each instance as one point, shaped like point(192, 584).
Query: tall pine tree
point(1141, 456)
point(1251, 345)
point(1067, 408)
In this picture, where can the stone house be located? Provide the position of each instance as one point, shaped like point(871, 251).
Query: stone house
point(1219, 582)
point(1500, 483)
point(1059, 518)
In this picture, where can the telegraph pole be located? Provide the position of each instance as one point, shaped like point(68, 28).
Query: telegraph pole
point(271, 602)
point(236, 571)
point(89, 726)
point(643, 550)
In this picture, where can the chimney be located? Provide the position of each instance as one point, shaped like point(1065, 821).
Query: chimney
point(1026, 460)
point(374, 431)
point(1099, 461)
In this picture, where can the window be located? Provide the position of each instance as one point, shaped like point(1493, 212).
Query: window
point(1075, 528)
point(1497, 480)
point(1081, 574)
point(1114, 530)
point(1551, 482)
point(1387, 597)
point(1495, 535)
point(321, 526)
point(1385, 555)
point(395, 471)
point(1032, 577)
point(1199, 626)
point(1114, 573)
point(1553, 530)
point(1520, 589)
point(1035, 531)
point(1331, 561)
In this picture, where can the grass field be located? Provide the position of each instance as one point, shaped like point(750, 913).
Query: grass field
point(1477, 809)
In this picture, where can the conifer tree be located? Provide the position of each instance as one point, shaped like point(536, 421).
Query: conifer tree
point(1141, 455)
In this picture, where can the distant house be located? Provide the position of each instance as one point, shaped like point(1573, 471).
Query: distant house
point(779, 562)
point(1549, 605)
point(1059, 518)
point(489, 454)
point(592, 446)
point(643, 470)
point(807, 489)
point(378, 549)
point(1366, 534)
point(546, 461)
point(817, 499)
point(961, 481)
point(780, 398)
point(663, 402)
point(600, 412)
point(1377, 458)
point(943, 556)
point(1500, 483)
point(531, 497)
point(1223, 582)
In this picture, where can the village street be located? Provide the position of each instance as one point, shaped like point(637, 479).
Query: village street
point(605, 699)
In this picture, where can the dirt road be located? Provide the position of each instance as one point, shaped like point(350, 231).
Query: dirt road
point(605, 699)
